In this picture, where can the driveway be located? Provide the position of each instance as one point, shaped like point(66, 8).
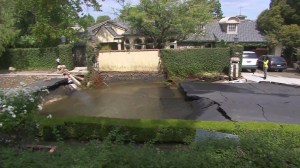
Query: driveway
point(244, 101)
point(289, 77)
point(289, 73)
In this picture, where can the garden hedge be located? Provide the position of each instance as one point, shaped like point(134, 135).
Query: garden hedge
point(144, 130)
point(90, 56)
point(189, 62)
point(66, 55)
point(37, 58)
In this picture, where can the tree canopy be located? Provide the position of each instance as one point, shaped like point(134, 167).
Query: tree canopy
point(7, 30)
point(281, 22)
point(217, 9)
point(44, 21)
point(87, 21)
point(165, 19)
point(102, 18)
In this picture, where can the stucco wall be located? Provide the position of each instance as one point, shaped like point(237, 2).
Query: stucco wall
point(122, 61)
point(104, 36)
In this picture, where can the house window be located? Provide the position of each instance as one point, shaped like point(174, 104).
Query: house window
point(232, 28)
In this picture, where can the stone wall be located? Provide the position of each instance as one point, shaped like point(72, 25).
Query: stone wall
point(110, 77)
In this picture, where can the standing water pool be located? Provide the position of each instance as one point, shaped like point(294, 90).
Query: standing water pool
point(134, 100)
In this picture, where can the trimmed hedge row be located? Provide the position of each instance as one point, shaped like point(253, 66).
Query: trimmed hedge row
point(144, 130)
point(89, 56)
point(189, 62)
point(66, 55)
point(236, 49)
point(37, 58)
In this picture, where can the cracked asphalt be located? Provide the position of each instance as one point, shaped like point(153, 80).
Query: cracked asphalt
point(244, 101)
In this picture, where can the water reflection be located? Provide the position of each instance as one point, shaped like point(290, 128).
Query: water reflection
point(124, 100)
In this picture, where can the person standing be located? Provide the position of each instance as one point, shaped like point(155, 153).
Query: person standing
point(266, 65)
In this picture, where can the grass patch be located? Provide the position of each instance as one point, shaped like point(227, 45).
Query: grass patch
point(118, 144)
point(142, 130)
point(256, 150)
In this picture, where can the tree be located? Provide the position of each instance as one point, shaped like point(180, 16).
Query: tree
point(290, 35)
point(102, 18)
point(217, 9)
point(7, 30)
point(46, 21)
point(281, 24)
point(165, 19)
point(87, 21)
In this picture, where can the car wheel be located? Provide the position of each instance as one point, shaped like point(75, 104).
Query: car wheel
point(253, 70)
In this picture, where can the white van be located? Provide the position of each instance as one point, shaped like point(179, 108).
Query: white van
point(249, 60)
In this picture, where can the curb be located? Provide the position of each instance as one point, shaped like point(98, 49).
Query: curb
point(278, 83)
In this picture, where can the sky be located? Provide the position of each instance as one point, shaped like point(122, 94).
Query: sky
point(249, 8)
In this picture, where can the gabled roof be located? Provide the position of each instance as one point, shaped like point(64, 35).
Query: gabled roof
point(247, 32)
point(113, 32)
point(108, 26)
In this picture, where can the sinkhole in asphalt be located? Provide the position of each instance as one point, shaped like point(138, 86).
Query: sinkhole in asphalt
point(133, 100)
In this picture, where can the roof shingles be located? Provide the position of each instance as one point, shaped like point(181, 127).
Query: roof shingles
point(247, 32)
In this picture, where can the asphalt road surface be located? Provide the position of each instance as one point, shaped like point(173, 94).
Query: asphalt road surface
point(244, 101)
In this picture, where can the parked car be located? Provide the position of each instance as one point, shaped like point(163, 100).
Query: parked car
point(276, 63)
point(249, 61)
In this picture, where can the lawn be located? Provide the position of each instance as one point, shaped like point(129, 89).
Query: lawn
point(260, 145)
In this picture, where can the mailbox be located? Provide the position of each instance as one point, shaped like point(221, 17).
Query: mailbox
point(234, 70)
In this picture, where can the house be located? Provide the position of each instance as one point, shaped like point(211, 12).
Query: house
point(118, 36)
point(228, 30)
point(113, 35)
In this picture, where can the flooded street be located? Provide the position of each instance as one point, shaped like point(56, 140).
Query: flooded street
point(145, 100)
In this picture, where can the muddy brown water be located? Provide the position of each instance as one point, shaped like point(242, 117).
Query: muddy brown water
point(137, 100)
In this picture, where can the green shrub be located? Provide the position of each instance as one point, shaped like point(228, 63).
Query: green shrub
point(184, 63)
point(236, 49)
point(33, 58)
point(105, 47)
point(87, 128)
point(142, 130)
point(37, 58)
point(66, 55)
point(18, 108)
point(256, 149)
point(90, 56)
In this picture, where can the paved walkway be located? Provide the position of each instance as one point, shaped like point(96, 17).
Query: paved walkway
point(258, 77)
